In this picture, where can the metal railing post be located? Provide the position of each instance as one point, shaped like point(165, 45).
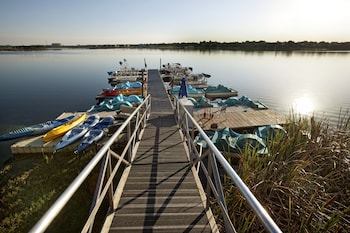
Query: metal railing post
point(255, 205)
point(104, 188)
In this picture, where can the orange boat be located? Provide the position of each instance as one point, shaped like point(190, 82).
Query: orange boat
point(126, 92)
point(126, 88)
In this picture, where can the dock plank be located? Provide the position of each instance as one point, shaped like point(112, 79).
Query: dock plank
point(238, 117)
point(161, 193)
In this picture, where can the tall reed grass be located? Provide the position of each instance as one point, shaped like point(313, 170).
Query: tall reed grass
point(304, 183)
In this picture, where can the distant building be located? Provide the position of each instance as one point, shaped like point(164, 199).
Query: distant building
point(56, 45)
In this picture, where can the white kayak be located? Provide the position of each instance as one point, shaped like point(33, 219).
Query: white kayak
point(95, 134)
point(77, 132)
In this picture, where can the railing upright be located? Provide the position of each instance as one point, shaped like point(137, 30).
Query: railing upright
point(104, 187)
point(211, 170)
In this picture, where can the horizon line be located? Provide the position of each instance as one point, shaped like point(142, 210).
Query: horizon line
point(154, 43)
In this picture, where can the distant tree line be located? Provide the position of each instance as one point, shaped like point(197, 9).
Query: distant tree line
point(254, 46)
point(206, 45)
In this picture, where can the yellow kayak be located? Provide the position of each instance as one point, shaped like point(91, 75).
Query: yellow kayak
point(61, 130)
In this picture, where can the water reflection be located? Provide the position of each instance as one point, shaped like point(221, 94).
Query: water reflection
point(304, 105)
point(38, 86)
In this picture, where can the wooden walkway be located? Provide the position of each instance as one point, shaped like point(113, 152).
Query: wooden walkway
point(161, 193)
point(237, 117)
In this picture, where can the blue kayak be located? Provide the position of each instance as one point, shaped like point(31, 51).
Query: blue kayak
point(36, 129)
point(77, 132)
point(95, 134)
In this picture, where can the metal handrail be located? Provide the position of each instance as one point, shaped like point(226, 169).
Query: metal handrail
point(139, 118)
point(188, 125)
point(105, 185)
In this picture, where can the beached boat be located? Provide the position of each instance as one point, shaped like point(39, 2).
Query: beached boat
point(36, 129)
point(229, 141)
point(77, 132)
point(269, 132)
point(95, 134)
point(220, 91)
point(61, 130)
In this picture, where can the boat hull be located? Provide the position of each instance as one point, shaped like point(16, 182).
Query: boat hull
point(70, 137)
point(90, 138)
point(223, 95)
point(36, 129)
point(126, 92)
point(78, 132)
point(95, 134)
point(61, 130)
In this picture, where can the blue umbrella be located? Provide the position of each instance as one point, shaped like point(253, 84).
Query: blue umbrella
point(183, 88)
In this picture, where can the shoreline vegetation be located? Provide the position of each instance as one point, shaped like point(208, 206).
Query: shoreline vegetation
point(287, 46)
point(303, 184)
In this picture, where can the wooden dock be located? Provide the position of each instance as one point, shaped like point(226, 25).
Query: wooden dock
point(162, 193)
point(37, 146)
point(237, 117)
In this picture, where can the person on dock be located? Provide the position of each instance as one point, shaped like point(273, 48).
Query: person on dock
point(183, 88)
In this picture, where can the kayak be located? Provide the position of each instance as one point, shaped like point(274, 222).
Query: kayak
point(61, 130)
point(77, 132)
point(36, 129)
point(95, 134)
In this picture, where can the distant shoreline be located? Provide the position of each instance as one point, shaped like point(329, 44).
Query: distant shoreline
point(288, 46)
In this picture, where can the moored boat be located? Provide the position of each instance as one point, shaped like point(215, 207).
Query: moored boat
point(36, 129)
point(191, 91)
point(126, 92)
point(125, 73)
point(61, 130)
point(116, 102)
point(77, 132)
point(220, 91)
point(127, 88)
point(198, 81)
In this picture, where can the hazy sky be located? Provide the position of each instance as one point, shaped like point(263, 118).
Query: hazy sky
point(25, 22)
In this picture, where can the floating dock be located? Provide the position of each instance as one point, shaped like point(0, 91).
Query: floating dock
point(36, 145)
point(237, 117)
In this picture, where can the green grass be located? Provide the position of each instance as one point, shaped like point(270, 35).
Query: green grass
point(26, 193)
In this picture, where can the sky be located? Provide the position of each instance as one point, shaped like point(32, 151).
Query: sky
point(81, 22)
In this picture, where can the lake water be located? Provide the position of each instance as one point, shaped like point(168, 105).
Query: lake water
point(38, 86)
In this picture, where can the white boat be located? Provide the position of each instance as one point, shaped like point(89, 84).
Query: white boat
point(199, 81)
point(125, 73)
point(77, 132)
point(175, 68)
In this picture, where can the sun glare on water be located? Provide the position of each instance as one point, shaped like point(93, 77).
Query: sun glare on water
point(303, 105)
